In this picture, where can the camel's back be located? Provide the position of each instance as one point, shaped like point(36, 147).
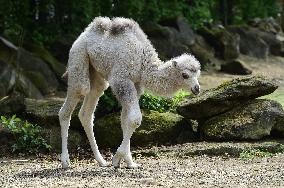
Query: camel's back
point(118, 44)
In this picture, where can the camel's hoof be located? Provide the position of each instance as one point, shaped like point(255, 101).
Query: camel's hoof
point(65, 161)
point(104, 164)
point(134, 165)
point(116, 159)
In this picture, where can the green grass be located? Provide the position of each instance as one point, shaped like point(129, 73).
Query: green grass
point(277, 95)
point(251, 154)
point(261, 152)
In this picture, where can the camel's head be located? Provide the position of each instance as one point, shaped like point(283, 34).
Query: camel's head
point(188, 71)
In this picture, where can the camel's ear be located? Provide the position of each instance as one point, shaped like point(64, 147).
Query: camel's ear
point(175, 63)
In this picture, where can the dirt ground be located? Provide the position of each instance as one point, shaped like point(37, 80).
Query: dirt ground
point(185, 165)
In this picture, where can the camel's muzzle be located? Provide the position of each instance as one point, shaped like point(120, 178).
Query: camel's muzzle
point(195, 89)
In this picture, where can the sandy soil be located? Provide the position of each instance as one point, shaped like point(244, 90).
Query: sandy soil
point(170, 166)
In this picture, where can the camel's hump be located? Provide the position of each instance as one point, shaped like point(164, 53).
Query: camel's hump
point(115, 26)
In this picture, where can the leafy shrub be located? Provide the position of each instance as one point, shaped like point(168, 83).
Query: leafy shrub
point(28, 136)
point(161, 104)
point(109, 104)
point(43, 21)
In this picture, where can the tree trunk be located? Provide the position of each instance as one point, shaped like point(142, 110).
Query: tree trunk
point(223, 12)
point(226, 11)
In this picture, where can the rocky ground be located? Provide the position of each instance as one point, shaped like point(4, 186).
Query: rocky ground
point(189, 165)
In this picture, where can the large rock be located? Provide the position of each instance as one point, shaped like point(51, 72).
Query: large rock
point(156, 129)
point(57, 67)
point(185, 34)
point(32, 67)
point(61, 46)
point(14, 80)
point(252, 120)
point(237, 67)
point(12, 104)
point(203, 51)
point(259, 43)
point(175, 37)
point(44, 112)
point(225, 97)
point(226, 44)
point(275, 42)
point(204, 57)
point(166, 40)
point(250, 43)
point(267, 25)
point(76, 139)
point(278, 128)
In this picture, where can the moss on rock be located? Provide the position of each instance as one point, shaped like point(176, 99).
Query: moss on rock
point(42, 53)
point(24, 63)
point(226, 44)
point(225, 97)
point(156, 129)
point(44, 112)
point(37, 79)
point(53, 137)
point(252, 120)
point(278, 129)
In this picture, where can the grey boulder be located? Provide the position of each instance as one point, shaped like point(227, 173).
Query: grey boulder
point(225, 97)
point(249, 121)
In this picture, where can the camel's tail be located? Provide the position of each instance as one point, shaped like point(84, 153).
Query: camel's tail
point(65, 76)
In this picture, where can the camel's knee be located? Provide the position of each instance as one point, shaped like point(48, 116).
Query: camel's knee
point(86, 118)
point(134, 119)
point(67, 109)
point(85, 88)
point(64, 115)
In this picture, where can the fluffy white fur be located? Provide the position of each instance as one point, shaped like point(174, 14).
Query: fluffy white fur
point(117, 53)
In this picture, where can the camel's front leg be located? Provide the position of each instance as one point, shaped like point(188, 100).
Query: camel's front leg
point(130, 119)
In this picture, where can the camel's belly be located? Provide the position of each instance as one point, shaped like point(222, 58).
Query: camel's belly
point(115, 58)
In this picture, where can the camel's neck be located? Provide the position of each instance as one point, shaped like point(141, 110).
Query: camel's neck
point(162, 80)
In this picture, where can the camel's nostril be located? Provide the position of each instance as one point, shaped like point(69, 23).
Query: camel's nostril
point(195, 89)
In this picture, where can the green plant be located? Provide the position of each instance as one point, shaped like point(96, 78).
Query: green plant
point(108, 102)
point(161, 104)
point(253, 153)
point(28, 136)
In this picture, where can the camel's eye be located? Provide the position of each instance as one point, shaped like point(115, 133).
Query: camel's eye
point(185, 76)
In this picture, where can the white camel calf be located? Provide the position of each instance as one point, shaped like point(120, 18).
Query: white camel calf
point(116, 52)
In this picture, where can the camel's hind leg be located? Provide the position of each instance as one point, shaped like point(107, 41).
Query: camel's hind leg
point(86, 114)
point(64, 118)
point(78, 85)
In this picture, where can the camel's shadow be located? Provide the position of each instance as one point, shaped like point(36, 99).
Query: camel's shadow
point(72, 172)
